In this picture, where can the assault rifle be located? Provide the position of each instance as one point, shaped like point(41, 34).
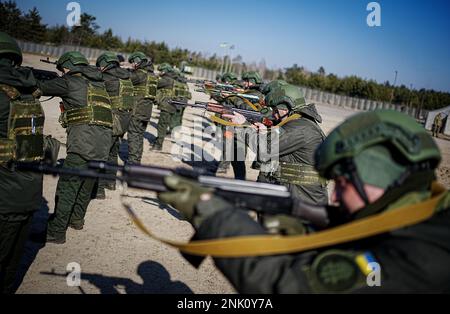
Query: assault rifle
point(44, 75)
point(225, 94)
point(251, 116)
point(263, 198)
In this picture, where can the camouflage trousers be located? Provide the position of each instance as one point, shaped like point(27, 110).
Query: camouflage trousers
point(73, 195)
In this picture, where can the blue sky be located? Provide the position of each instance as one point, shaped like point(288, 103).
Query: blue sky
point(413, 37)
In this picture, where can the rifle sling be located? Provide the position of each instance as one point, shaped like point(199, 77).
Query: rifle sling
point(264, 245)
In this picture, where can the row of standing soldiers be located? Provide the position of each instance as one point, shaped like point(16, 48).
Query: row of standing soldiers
point(99, 105)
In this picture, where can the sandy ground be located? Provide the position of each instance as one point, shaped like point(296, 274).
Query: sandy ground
point(113, 255)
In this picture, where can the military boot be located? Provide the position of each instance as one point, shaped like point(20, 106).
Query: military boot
point(56, 239)
point(101, 195)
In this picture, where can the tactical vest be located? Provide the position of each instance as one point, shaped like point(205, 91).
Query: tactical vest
point(125, 99)
point(181, 90)
point(97, 111)
point(147, 90)
point(176, 90)
point(297, 174)
point(25, 140)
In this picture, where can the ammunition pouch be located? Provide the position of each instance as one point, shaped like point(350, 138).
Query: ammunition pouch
point(125, 100)
point(97, 112)
point(51, 148)
point(298, 174)
point(121, 121)
point(25, 140)
point(6, 150)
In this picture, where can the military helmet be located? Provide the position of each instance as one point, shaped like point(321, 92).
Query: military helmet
point(70, 59)
point(10, 49)
point(107, 58)
point(165, 67)
point(137, 57)
point(288, 97)
point(380, 128)
point(252, 76)
point(229, 77)
point(272, 86)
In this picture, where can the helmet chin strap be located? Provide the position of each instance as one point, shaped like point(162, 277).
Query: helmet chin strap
point(355, 179)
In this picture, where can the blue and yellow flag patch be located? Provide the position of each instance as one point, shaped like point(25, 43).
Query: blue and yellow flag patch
point(363, 260)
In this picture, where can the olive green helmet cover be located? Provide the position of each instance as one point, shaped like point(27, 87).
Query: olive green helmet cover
point(107, 58)
point(10, 49)
point(137, 57)
point(288, 97)
point(272, 86)
point(382, 144)
point(71, 59)
point(229, 77)
point(252, 76)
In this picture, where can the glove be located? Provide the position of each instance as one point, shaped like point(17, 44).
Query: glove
point(184, 195)
point(283, 225)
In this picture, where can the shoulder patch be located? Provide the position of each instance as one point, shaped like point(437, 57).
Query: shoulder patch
point(335, 271)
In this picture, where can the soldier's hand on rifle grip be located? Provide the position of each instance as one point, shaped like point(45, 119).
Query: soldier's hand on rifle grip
point(236, 118)
point(261, 127)
point(283, 225)
point(184, 194)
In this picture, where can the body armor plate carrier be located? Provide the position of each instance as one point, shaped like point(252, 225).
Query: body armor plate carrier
point(125, 100)
point(97, 111)
point(298, 174)
point(147, 90)
point(25, 140)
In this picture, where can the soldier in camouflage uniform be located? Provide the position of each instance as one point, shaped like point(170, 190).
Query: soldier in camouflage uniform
point(437, 125)
point(177, 118)
point(252, 86)
point(169, 88)
point(382, 163)
point(21, 139)
point(228, 78)
point(145, 83)
point(295, 138)
point(120, 89)
point(87, 116)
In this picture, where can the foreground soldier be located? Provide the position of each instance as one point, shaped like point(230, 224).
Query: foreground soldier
point(21, 139)
point(145, 82)
point(87, 116)
point(120, 90)
point(380, 161)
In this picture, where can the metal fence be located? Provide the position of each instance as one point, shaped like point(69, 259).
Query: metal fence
point(56, 51)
